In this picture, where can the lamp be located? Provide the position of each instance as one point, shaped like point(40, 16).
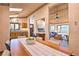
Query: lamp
point(57, 16)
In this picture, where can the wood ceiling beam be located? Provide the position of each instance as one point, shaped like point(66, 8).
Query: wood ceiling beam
point(17, 17)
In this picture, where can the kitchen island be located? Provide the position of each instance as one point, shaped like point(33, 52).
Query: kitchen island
point(37, 49)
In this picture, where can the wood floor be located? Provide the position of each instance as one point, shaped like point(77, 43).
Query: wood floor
point(16, 47)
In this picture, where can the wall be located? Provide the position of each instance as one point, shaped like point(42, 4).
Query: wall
point(4, 26)
point(74, 27)
point(41, 13)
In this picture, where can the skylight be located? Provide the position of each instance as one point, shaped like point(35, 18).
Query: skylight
point(13, 16)
point(15, 9)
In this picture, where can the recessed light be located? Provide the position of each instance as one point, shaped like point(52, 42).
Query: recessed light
point(15, 9)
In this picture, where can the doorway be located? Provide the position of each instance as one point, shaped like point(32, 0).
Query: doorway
point(31, 26)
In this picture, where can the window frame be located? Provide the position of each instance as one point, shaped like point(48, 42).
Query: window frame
point(60, 29)
point(53, 26)
point(15, 26)
point(56, 28)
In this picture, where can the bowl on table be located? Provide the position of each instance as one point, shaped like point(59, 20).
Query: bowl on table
point(30, 40)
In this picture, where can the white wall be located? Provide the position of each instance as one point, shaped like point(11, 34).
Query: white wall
point(74, 27)
point(4, 26)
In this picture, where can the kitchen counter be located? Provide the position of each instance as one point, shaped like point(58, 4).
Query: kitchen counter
point(39, 49)
point(15, 34)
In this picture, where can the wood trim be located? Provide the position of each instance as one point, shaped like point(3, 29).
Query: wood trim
point(17, 17)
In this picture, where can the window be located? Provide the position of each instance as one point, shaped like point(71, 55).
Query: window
point(65, 29)
point(56, 29)
point(59, 28)
point(52, 28)
point(14, 26)
point(11, 26)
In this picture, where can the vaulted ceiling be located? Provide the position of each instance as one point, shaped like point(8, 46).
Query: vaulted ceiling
point(28, 8)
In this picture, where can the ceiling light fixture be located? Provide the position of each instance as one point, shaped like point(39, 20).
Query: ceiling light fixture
point(15, 9)
point(13, 16)
point(57, 16)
